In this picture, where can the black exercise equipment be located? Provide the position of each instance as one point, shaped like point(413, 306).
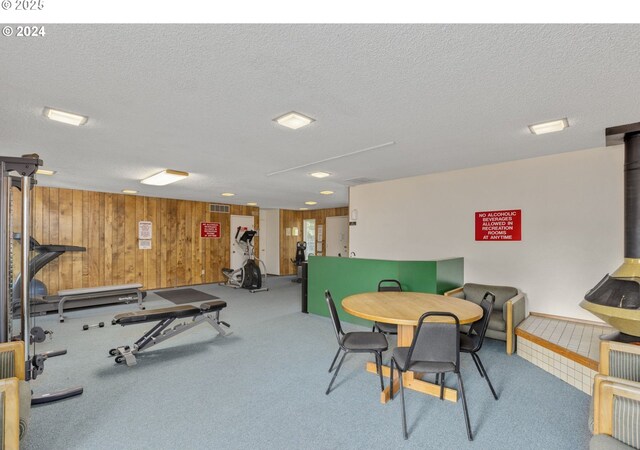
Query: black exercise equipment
point(93, 325)
point(41, 303)
point(301, 247)
point(19, 173)
point(160, 331)
point(249, 275)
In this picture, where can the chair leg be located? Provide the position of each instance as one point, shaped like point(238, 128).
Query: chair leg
point(486, 375)
point(379, 367)
point(404, 414)
point(334, 360)
point(437, 378)
point(392, 366)
point(442, 386)
point(464, 407)
point(473, 356)
point(335, 373)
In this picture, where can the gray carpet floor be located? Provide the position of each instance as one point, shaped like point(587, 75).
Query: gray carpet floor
point(263, 387)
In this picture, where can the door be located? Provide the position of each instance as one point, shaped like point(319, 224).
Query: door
point(337, 236)
point(309, 236)
point(270, 240)
point(237, 255)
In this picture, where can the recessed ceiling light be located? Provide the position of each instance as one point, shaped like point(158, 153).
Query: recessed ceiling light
point(165, 177)
point(304, 209)
point(549, 127)
point(252, 204)
point(64, 117)
point(129, 191)
point(326, 192)
point(45, 172)
point(227, 194)
point(294, 120)
point(320, 174)
point(310, 203)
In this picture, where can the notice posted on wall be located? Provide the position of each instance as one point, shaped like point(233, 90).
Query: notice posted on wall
point(144, 229)
point(505, 225)
point(210, 230)
point(144, 244)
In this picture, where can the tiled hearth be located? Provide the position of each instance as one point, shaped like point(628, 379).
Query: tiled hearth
point(565, 348)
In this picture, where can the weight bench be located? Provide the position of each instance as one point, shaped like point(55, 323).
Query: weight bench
point(160, 331)
point(125, 293)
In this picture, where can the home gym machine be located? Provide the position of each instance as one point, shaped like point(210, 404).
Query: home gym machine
point(249, 275)
point(18, 172)
point(301, 248)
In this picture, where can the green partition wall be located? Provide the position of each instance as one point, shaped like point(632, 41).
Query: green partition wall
point(347, 276)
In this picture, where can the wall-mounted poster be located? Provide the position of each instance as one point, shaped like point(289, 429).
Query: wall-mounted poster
point(505, 225)
point(144, 229)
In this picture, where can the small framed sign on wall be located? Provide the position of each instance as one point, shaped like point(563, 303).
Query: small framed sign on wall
point(504, 225)
point(145, 229)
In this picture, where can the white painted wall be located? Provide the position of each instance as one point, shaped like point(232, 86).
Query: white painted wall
point(572, 223)
point(270, 239)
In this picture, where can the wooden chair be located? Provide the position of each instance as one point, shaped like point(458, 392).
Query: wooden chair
point(620, 360)
point(617, 409)
point(16, 393)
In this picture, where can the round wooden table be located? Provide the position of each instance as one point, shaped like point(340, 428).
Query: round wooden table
point(404, 309)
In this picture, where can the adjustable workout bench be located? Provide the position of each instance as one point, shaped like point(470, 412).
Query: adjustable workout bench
point(164, 317)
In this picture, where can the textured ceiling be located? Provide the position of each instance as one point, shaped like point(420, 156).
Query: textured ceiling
point(202, 99)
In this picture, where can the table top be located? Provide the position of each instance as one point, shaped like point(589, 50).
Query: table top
point(405, 308)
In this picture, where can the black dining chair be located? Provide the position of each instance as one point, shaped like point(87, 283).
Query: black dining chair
point(471, 342)
point(435, 349)
point(355, 342)
point(387, 286)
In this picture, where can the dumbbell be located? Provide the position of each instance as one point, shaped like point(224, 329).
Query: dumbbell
point(86, 327)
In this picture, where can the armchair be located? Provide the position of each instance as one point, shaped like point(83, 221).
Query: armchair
point(617, 360)
point(508, 311)
point(617, 407)
point(15, 393)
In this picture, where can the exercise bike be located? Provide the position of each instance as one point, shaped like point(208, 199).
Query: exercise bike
point(252, 275)
point(301, 247)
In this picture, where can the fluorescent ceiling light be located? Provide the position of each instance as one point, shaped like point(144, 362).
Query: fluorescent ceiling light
point(65, 117)
point(326, 192)
point(294, 120)
point(129, 191)
point(304, 209)
point(252, 204)
point(227, 194)
point(45, 172)
point(549, 127)
point(320, 174)
point(165, 177)
point(310, 203)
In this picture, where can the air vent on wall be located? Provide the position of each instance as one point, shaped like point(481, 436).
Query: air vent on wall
point(361, 180)
point(214, 207)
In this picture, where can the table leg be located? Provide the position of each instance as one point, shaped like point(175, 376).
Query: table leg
point(411, 380)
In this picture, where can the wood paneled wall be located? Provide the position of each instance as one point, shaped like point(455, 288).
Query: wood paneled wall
point(107, 225)
point(291, 218)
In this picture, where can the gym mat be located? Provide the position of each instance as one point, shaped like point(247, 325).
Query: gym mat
point(182, 296)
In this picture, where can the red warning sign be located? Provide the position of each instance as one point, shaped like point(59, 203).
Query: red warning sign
point(503, 225)
point(210, 229)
